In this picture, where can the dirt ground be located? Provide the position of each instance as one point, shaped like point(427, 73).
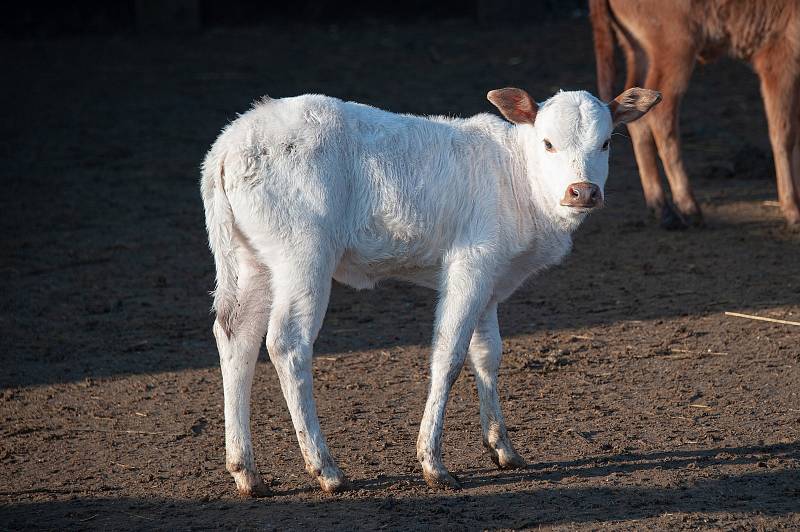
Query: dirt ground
point(637, 402)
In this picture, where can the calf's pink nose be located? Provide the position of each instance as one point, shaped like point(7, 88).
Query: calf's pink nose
point(583, 195)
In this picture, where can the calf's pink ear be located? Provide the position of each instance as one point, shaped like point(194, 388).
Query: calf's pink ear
point(632, 104)
point(515, 104)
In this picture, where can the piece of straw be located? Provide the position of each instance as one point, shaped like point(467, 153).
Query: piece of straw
point(761, 318)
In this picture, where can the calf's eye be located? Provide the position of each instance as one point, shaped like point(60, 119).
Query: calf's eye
point(605, 145)
point(549, 146)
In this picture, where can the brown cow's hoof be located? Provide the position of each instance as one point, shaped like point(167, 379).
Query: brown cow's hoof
point(792, 217)
point(670, 219)
point(694, 219)
point(441, 480)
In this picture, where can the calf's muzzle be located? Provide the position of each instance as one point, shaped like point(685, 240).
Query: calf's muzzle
point(583, 195)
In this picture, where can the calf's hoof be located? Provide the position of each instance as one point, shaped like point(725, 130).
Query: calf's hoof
point(256, 491)
point(441, 480)
point(334, 485)
point(330, 478)
point(248, 482)
point(506, 459)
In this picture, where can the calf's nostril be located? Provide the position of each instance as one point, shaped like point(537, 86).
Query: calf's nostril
point(575, 192)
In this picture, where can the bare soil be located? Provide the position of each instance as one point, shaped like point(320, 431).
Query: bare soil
point(637, 402)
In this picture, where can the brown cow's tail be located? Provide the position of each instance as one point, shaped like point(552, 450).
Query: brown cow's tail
point(601, 17)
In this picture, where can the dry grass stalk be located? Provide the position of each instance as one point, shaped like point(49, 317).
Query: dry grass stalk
point(761, 318)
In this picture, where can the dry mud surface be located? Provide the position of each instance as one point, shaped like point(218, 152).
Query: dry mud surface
point(637, 402)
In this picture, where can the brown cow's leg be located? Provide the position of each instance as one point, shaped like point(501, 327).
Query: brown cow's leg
point(644, 146)
point(796, 152)
point(796, 158)
point(671, 75)
point(779, 88)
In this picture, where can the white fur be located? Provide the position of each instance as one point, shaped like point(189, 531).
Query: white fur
point(301, 190)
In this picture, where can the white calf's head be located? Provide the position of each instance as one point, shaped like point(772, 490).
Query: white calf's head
point(566, 142)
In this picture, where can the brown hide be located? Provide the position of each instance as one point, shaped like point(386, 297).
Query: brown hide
point(662, 41)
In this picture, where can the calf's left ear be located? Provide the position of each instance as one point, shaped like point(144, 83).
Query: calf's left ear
point(515, 104)
point(632, 104)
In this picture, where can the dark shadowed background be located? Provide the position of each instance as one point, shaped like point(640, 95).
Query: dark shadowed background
point(39, 18)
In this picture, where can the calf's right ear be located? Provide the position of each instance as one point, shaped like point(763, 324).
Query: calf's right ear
point(632, 104)
point(515, 104)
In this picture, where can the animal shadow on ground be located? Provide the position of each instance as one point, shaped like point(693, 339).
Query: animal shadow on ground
point(546, 503)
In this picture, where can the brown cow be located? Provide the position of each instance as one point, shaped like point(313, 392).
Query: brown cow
point(661, 42)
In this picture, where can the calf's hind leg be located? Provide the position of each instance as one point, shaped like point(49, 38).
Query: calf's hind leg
point(485, 350)
point(237, 355)
point(300, 296)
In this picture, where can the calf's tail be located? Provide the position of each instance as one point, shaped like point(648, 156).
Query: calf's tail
point(601, 17)
point(219, 224)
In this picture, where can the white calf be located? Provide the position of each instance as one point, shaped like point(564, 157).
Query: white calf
point(298, 191)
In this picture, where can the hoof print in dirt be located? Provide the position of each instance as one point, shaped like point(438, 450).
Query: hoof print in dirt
point(557, 359)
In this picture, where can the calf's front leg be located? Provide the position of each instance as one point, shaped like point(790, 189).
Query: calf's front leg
point(485, 351)
point(464, 292)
